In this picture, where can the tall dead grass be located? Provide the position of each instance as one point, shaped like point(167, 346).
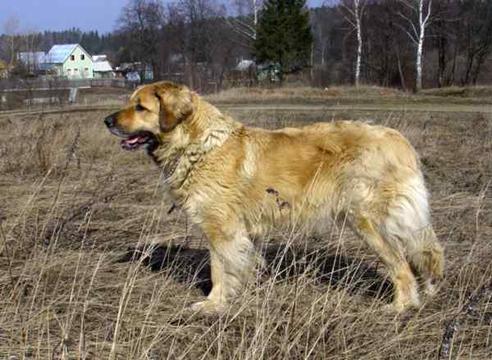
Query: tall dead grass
point(92, 266)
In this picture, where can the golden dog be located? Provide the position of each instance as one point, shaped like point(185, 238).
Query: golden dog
point(229, 179)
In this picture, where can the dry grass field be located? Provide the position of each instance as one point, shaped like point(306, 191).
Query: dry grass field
point(94, 265)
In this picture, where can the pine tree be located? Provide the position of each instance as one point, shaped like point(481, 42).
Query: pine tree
point(284, 34)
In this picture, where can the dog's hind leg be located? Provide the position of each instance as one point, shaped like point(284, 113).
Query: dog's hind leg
point(232, 260)
point(408, 223)
point(393, 257)
point(426, 257)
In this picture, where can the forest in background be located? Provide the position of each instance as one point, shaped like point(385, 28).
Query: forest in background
point(203, 39)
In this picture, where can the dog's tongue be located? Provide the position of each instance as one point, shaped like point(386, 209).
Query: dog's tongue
point(132, 142)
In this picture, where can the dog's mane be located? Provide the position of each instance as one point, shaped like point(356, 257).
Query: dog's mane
point(180, 151)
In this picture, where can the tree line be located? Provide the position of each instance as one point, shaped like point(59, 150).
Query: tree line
point(399, 43)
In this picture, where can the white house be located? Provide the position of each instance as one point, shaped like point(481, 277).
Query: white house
point(70, 60)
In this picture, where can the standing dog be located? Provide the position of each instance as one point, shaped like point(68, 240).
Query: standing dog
point(229, 179)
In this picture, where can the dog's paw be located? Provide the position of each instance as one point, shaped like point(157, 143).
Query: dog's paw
point(400, 306)
point(429, 288)
point(207, 306)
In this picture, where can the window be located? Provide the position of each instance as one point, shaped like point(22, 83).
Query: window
point(86, 69)
point(75, 70)
point(69, 71)
point(82, 57)
point(72, 57)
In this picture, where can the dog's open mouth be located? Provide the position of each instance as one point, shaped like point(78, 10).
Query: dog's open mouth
point(134, 142)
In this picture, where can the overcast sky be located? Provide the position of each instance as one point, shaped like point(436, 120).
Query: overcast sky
point(42, 15)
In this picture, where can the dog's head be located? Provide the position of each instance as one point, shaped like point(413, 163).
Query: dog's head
point(152, 111)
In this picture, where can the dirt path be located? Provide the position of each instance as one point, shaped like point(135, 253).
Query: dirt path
point(433, 107)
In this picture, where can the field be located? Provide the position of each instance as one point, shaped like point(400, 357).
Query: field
point(95, 263)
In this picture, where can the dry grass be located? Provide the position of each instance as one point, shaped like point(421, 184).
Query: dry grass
point(304, 94)
point(92, 265)
point(352, 95)
point(467, 92)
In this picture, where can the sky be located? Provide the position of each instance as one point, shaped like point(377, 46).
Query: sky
point(39, 15)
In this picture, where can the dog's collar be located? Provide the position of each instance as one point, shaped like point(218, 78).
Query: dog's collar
point(169, 165)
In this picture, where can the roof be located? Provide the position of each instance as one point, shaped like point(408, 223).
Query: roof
point(99, 57)
point(102, 66)
point(244, 65)
point(30, 57)
point(59, 53)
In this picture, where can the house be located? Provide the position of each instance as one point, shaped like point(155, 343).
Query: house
point(245, 65)
point(243, 74)
point(102, 67)
point(70, 60)
point(136, 72)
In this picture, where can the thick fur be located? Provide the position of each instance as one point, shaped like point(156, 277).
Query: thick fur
point(236, 182)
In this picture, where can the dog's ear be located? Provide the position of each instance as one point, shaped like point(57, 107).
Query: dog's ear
point(176, 104)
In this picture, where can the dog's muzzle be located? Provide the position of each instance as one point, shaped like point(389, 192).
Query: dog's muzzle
point(132, 141)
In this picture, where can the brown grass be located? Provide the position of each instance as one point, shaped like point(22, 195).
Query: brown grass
point(467, 92)
point(304, 94)
point(352, 95)
point(92, 265)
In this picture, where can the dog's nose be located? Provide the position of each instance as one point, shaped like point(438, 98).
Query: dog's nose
point(109, 121)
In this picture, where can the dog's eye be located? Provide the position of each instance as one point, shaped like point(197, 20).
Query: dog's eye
point(139, 107)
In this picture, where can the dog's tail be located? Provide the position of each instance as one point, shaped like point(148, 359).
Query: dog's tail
point(408, 224)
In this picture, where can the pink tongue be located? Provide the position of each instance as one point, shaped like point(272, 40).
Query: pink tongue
point(132, 143)
point(133, 140)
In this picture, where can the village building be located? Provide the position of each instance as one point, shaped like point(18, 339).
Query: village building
point(102, 67)
point(70, 60)
point(136, 72)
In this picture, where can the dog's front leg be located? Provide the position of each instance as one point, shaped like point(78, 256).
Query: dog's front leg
point(232, 263)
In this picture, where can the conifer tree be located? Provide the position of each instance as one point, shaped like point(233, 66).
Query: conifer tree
point(284, 34)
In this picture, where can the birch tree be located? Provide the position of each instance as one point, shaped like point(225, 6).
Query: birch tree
point(418, 20)
point(245, 24)
point(355, 12)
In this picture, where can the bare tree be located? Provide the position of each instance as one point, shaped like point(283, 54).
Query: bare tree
point(355, 12)
point(142, 22)
point(476, 37)
point(11, 28)
point(198, 33)
point(418, 20)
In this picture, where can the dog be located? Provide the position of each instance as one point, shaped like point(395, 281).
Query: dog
point(236, 182)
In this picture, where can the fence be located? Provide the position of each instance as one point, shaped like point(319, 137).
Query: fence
point(49, 84)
